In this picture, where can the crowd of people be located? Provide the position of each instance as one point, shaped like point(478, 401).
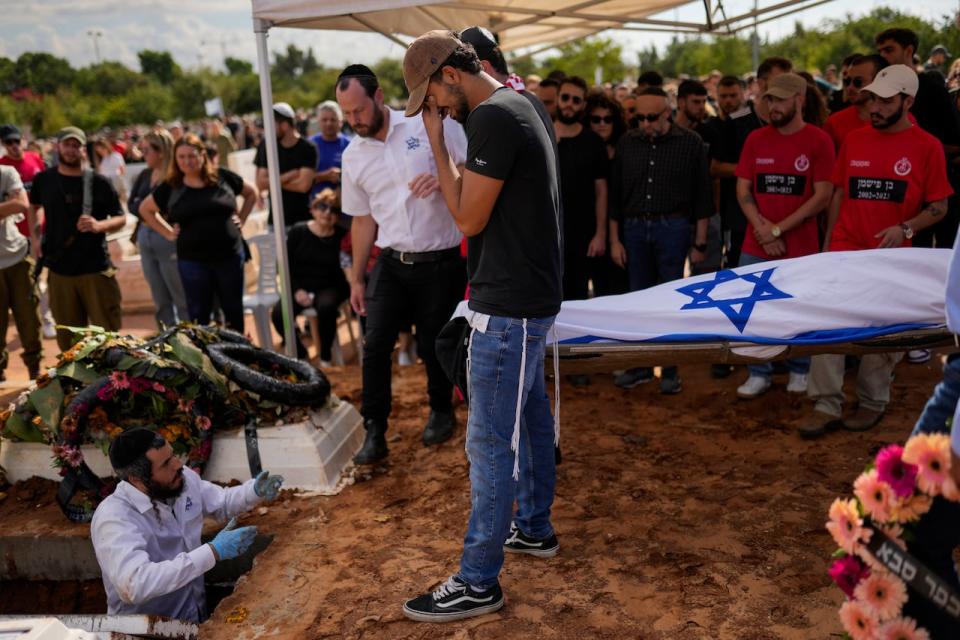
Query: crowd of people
point(515, 194)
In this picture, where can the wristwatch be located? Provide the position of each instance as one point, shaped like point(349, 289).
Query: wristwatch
point(907, 231)
point(775, 231)
point(702, 248)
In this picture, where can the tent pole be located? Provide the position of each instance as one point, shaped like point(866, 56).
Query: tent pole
point(260, 28)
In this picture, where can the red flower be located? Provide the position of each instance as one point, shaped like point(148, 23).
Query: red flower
point(105, 393)
point(119, 380)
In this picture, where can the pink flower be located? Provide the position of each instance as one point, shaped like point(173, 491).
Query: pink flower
point(202, 422)
point(895, 472)
point(902, 629)
point(883, 593)
point(185, 405)
point(931, 453)
point(120, 380)
point(105, 393)
point(159, 388)
point(73, 456)
point(847, 572)
point(859, 621)
point(912, 508)
point(875, 495)
point(846, 525)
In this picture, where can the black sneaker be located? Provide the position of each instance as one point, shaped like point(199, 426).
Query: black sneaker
point(519, 542)
point(454, 600)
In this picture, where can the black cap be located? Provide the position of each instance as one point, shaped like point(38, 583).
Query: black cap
point(130, 445)
point(356, 71)
point(9, 132)
point(482, 39)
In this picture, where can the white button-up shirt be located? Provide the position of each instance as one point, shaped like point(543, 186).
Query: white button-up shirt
point(150, 553)
point(376, 178)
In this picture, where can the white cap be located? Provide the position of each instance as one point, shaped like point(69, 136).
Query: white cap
point(895, 79)
point(285, 110)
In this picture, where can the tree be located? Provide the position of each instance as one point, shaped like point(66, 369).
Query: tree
point(8, 75)
point(237, 67)
point(108, 79)
point(583, 57)
point(294, 63)
point(159, 65)
point(43, 72)
point(390, 74)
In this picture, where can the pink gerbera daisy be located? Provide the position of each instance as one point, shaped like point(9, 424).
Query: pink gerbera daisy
point(846, 525)
point(120, 380)
point(902, 629)
point(931, 454)
point(858, 620)
point(876, 496)
point(895, 472)
point(912, 508)
point(883, 593)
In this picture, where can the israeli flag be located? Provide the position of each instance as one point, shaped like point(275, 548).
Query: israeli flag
point(827, 298)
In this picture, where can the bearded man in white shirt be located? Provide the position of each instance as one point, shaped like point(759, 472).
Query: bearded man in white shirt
point(146, 535)
point(390, 188)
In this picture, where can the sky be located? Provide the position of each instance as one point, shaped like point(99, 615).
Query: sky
point(200, 32)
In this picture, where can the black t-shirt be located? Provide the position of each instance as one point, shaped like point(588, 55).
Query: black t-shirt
point(296, 205)
point(515, 263)
point(66, 250)
point(710, 131)
point(733, 135)
point(314, 261)
point(207, 230)
point(583, 160)
point(932, 109)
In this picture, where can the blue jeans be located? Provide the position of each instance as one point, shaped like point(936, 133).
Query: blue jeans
point(203, 280)
point(943, 402)
point(765, 369)
point(158, 259)
point(494, 378)
point(657, 248)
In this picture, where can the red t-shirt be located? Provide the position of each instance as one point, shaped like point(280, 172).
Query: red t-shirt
point(28, 166)
point(886, 178)
point(783, 170)
point(840, 124)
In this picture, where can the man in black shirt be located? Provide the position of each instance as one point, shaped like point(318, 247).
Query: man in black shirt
point(660, 192)
point(298, 166)
point(583, 179)
point(82, 286)
point(936, 116)
point(506, 201)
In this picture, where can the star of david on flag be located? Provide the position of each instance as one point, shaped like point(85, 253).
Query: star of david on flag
point(738, 309)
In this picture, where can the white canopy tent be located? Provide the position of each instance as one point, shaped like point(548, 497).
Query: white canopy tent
point(528, 25)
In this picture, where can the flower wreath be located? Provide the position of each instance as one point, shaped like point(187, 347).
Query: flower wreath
point(891, 497)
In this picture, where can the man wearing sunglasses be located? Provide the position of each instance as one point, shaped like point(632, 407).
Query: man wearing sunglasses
point(859, 74)
point(660, 192)
point(583, 189)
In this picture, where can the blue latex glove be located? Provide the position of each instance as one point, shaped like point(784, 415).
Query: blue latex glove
point(232, 542)
point(268, 486)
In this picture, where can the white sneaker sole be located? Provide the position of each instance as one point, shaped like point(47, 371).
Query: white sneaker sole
point(450, 617)
point(751, 396)
point(539, 553)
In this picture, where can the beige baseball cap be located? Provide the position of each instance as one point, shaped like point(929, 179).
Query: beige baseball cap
point(786, 85)
point(424, 56)
point(897, 78)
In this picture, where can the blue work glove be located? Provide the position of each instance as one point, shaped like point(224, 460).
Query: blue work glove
point(267, 486)
point(231, 542)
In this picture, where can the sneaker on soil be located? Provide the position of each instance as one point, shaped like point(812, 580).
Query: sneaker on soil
point(632, 377)
point(454, 600)
point(754, 386)
point(797, 383)
point(49, 329)
point(670, 386)
point(918, 356)
point(519, 542)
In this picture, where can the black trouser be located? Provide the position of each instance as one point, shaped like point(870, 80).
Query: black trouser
point(327, 303)
point(426, 293)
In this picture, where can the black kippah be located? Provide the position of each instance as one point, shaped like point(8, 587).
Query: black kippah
point(356, 71)
point(130, 445)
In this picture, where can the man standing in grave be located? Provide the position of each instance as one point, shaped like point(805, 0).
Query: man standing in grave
point(890, 181)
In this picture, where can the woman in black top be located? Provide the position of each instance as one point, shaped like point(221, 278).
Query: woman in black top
point(316, 277)
point(201, 203)
point(158, 256)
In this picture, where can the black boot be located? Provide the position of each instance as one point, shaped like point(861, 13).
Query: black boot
point(375, 445)
point(439, 427)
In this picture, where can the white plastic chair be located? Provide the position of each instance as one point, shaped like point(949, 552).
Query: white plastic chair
point(260, 303)
point(346, 315)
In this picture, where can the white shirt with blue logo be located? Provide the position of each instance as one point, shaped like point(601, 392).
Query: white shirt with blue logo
point(149, 551)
